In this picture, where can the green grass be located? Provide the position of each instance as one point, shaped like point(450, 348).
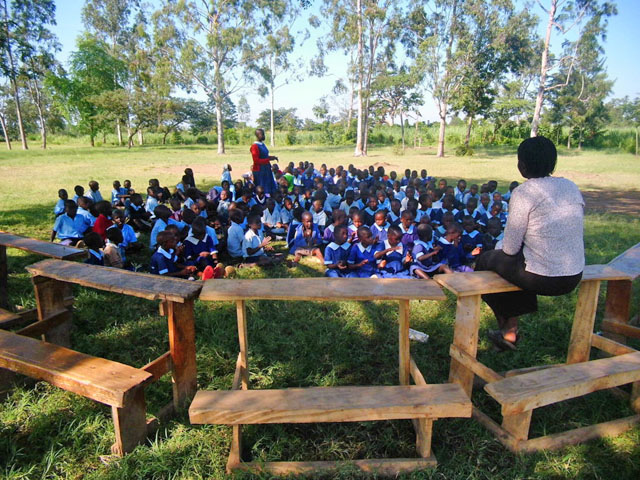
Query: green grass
point(48, 433)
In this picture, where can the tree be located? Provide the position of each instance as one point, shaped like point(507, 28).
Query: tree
point(631, 115)
point(24, 31)
point(211, 43)
point(284, 118)
point(4, 94)
point(362, 29)
point(564, 16)
point(244, 110)
point(272, 57)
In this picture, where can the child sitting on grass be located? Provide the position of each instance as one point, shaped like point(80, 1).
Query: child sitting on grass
point(362, 261)
point(165, 262)
point(112, 254)
point(254, 246)
point(452, 252)
point(380, 226)
point(307, 240)
point(69, 227)
point(94, 243)
point(392, 257)
point(200, 250)
point(425, 255)
point(63, 196)
point(337, 252)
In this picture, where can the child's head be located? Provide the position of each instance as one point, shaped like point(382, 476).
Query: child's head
point(62, 194)
point(167, 240)
point(199, 228)
point(496, 209)
point(412, 204)
point(236, 215)
point(473, 189)
point(254, 223)
point(260, 191)
point(423, 173)
point(118, 218)
point(410, 191)
point(442, 184)
point(497, 197)
point(468, 224)
point(127, 184)
point(162, 212)
point(104, 208)
point(462, 185)
point(306, 219)
point(447, 202)
point(372, 202)
point(425, 201)
point(94, 186)
point(79, 189)
point(493, 185)
point(175, 204)
point(195, 208)
point(93, 240)
point(454, 231)
point(394, 235)
point(406, 218)
point(472, 204)
point(116, 184)
point(380, 218)
point(494, 227)
point(365, 237)
point(407, 172)
point(136, 199)
point(188, 216)
point(381, 196)
point(70, 208)
point(224, 195)
point(317, 205)
point(395, 206)
point(513, 185)
point(357, 219)
point(448, 219)
point(485, 199)
point(340, 234)
point(339, 217)
point(349, 196)
point(425, 232)
point(114, 235)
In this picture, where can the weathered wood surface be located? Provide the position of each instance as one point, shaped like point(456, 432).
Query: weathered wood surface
point(182, 345)
point(7, 318)
point(329, 404)
point(475, 283)
point(322, 289)
point(391, 467)
point(604, 272)
point(482, 371)
point(46, 249)
point(130, 423)
point(610, 346)
point(143, 285)
point(628, 261)
point(465, 338)
point(621, 328)
point(95, 378)
point(532, 390)
point(583, 320)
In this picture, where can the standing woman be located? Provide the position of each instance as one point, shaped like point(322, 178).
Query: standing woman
point(262, 174)
point(543, 247)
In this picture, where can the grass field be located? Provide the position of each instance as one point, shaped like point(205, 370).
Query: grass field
point(48, 433)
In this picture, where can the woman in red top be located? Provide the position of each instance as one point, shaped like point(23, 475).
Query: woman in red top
point(262, 174)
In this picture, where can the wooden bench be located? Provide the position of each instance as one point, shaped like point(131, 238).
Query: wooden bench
point(520, 391)
point(53, 277)
point(114, 384)
point(422, 403)
point(9, 319)
point(616, 324)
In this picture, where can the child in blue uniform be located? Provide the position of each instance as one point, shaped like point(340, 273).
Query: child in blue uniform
point(407, 229)
point(393, 217)
point(392, 257)
point(165, 262)
point(425, 255)
point(380, 226)
point(339, 218)
point(307, 239)
point(452, 252)
point(94, 243)
point(63, 196)
point(472, 240)
point(69, 227)
point(362, 261)
point(200, 250)
point(337, 253)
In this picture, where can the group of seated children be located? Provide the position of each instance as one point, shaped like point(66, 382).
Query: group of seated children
point(359, 223)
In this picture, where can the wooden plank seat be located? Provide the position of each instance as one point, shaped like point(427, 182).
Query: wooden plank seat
point(329, 404)
point(40, 247)
point(532, 387)
point(105, 381)
point(7, 318)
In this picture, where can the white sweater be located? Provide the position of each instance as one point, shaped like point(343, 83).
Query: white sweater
point(546, 215)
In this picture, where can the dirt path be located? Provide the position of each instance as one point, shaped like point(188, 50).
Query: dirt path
point(613, 201)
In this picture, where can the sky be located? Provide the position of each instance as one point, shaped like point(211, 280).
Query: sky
point(621, 52)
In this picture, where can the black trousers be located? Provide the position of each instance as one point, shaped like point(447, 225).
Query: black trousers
point(512, 268)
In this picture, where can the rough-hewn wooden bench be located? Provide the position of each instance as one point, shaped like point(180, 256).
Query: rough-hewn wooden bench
point(114, 384)
point(10, 319)
point(52, 277)
point(422, 403)
point(520, 391)
point(618, 301)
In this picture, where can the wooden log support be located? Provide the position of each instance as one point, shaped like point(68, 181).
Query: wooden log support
point(484, 372)
point(241, 314)
point(52, 301)
point(621, 329)
point(635, 397)
point(160, 366)
point(383, 467)
point(465, 338)
point(609, 346)
point(404, 354)
point(130, 423)
point(504, 437)
point(617, 308)
point(518, 425)
point(4, 278)
point(416, 374)
point(583, 321)
point(182, 345)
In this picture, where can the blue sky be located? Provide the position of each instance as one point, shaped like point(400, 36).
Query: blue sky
point(621, 50)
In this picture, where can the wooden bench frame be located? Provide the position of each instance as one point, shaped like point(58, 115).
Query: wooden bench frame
point(323, 289)
point(39, 247)
point(52, 280)
point(514, 431)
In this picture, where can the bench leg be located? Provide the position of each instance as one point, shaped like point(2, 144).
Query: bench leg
point(4, 283)
point(52, 299)
point(635, 397)
point(424, 429)
point(130, 423)
point(618, 305)
point(518, 425)
point(404, 347)
point(583, 321)
point(465, 337)
point(182, 344)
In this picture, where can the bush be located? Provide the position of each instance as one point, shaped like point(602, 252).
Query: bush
point(202, 140)
point(176, 138)
point(291, 138)
point(463, 151)
point(231, 136)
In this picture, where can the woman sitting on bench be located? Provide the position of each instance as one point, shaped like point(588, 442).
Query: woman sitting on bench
point(543, 250)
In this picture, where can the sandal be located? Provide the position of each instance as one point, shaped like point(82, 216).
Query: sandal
point(499, 342)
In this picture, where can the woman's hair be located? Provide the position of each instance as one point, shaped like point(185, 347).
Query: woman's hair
point(537, 157)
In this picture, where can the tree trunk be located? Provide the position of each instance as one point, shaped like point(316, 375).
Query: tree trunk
point(535, 123)
point(12, 78)
point(402, 128)
point(91, 140)
point(119, 132)
point(468, 137)
point(569, 140)
point(272, 143)
point(360, 145)
point(104, 138)
point(164, 137)
point(415, 135)
point(220, 127)
point(350, 112)
point(580, 139)
point(36, 97)
point(140, 137)
point(443, 126)
point(8, 140)
point(636, 142)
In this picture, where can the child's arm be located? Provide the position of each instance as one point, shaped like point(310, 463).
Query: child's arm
point(265, 242)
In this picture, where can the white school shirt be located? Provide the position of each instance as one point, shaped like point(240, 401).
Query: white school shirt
point(270, 219)
point(235, 237)
point(252, 240)
point(320, 218)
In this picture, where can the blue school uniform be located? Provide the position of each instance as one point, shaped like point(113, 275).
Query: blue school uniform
point(352, 234)
point(386, 205)
point(369, 216)
point(300, 242)
point(193, 247)
point(434, 214)
point(393, 219)
point(90, 219)
point(114, 195)
point(335, 253)
point(327, 236)
point(67, 227)
point(95, 258)
point(470, 241)
point(427, 265)
point(291, 232)
point(163, 262)
point(408, 236)
point(95, 196)
point(452, 255)
point(380, 233)
point(159, 226)
point(59, 208)
point(490, 241)
point(359, 253)
point(464, 213)
point(395, 267)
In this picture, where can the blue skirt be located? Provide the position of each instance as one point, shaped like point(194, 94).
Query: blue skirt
point(264, 178)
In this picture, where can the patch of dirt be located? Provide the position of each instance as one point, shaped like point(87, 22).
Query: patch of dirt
point(612, 201)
